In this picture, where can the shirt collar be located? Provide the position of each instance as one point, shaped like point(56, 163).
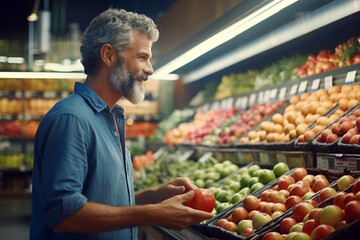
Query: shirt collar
point(93, 99)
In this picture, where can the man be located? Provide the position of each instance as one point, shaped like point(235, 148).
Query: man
point(82, 178)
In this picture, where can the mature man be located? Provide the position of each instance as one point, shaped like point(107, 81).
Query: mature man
point(82, 179)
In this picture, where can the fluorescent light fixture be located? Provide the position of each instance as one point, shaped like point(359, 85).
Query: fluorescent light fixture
point(292, 30)
point(225, 35)
point(166, 77)
point(38, 75)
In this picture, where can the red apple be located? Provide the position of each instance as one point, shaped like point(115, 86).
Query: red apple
point(230, 226)
point(252, 214)
point(248, 232)
point(357, 121)
point(356, 186)
point(292, 201)
point(308, 179)
point(286, 224)
point(326, 193)
point(309, 226)
point(355, 139)
point(321, 231)
point(299, 189)
point(345, 119)
point(239, 213)
point(332, 138)
point(338, 199)
point(352, 211)
point(356, 113)
point(301, 210)
point(346, 138)
point(221, 223)
point(251, 203)
point(335, 129)
point(325, 133)
point(272, 236)
point(312, 202)
point(348, 198)
point(285, 181)
point(319, 184)
point(345, 127)
point(299, 174)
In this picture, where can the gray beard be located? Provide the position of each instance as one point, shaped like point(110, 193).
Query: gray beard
point(125, 83)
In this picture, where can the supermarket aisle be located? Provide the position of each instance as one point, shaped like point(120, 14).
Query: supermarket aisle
point(15, 218)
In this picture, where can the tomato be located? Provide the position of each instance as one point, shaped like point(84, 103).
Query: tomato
point(203, 200)
point(356, 59)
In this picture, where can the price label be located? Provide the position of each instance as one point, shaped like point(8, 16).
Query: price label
point(18, 94)
point(350, 77)
point(28, 94)
point(215, 106)
point(315, 84)
point(267, 96)
point(302, 87)
point(186, 155)
point(261, 97)
point(341, 164)
point(328, 82)
point(252, 99)
point(293, 90)
point(282, 93)
point(238, 103)
point(274, 93)
point(205, 157)
point(64, 94)
point(230, 103)
point(49, 94)
point(206, 107)
point(244, 103)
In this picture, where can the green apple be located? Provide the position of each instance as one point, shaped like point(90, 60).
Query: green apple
point(245, 180)
point(280, 168)
point(253, 168)
point(260, 220)
point(199, 183)
point(253, 180)
point(297, 227)
point(256, 186)
point(237, 197)
point(244, 224)
point(267, 176)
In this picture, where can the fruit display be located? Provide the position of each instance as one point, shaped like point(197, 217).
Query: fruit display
point(140, 161)
point(331, 216)
point(140, 128)
point(209, 125)
point(239, 124)
point(344, 54)
point(18, 128)
point(15, 160)
point(292, 192)
point(243, 182)
point(305, 109)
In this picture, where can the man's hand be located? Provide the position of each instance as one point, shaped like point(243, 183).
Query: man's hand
point(165, 191)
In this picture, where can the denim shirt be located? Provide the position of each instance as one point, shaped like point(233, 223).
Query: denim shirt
point(78, 157)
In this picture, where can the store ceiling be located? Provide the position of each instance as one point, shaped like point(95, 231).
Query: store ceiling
point(13, 17)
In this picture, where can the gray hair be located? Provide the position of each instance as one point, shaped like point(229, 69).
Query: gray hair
point(115, 27)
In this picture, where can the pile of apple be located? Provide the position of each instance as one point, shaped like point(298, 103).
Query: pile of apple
point(247, 180)
point(212, 123)
point(237, 126)
point(310, 222)
point(289, 192)
point(347, 127)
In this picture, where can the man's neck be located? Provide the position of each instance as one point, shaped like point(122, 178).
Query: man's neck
point(103, 88)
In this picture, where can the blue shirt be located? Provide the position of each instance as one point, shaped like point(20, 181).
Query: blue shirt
point(78, 157)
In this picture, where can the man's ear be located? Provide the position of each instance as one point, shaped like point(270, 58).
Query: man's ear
point(108, 55)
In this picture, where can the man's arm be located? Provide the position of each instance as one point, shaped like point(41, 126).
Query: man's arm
point(171, 213)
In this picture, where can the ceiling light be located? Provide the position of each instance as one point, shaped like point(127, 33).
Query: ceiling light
point(225, 35)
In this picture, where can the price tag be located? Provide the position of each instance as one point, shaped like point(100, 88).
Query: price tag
point(293, 90)
point(244, 103)
point(20, 117)
point(282, 93)
point(49, 94)
point(205, 157)
point(274, 93)
point(315, 84)
point(18, 94)
point(6, 117)
point(186, 155)
point(252, 99)
point(261, 97)
point(215, 106)
point(302, 87)
point(28, 94)
point(238, 103)
point(64, 94)
point(350, 77)
point(158, 153)
point(328, 82)
point(206, 107)
point(267, 96)
point(230, 103)
point(341, 164)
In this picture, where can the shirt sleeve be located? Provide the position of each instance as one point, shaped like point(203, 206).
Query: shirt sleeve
point(61, 141)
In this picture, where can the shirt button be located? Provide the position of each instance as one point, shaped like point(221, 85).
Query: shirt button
point(116, 134)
